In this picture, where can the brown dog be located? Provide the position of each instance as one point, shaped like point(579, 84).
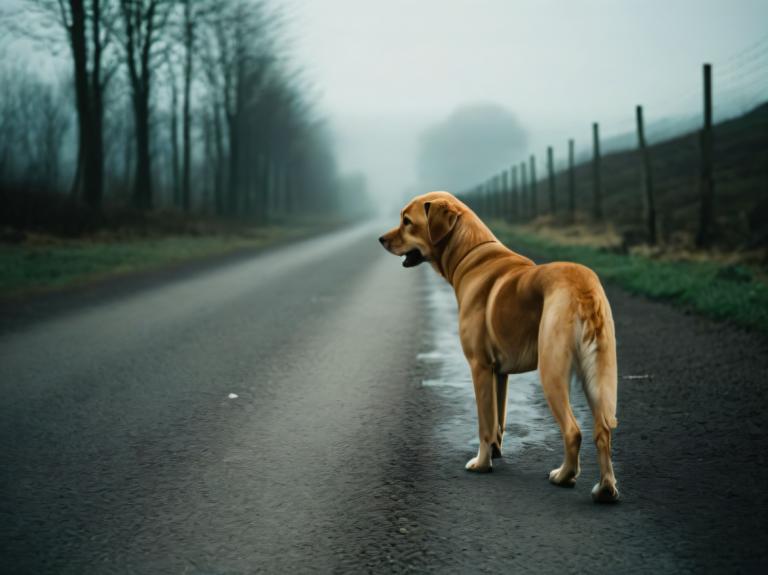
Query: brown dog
point(515, 315)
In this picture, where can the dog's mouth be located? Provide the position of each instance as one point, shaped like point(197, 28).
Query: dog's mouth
point(413, 258)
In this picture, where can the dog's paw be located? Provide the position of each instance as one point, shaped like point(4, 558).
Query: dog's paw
point(478, 466)
point(605, 493)
point(496, 452)
point(563, 477)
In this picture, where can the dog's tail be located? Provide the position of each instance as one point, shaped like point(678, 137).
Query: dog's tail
point(596, 353)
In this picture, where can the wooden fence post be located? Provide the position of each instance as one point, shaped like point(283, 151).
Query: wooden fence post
point(481, 199)
point(571, 182)
point(487, 198)
point(706, 185)
point(597, 208)
point(505, 196)
point(523, 190)
point(495, 196)
point(534, 188)
point(650, 204)
point(499, 196)
point(515, 209)
point(551, 176)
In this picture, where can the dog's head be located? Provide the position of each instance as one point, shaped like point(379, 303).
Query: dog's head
point(425, 225)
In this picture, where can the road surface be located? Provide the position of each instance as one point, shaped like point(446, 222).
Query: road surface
point(307, 410)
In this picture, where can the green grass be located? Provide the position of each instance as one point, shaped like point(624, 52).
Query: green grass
point(29, 268)
point(716, 290)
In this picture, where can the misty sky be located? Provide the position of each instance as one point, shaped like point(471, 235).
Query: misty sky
point(386, 70)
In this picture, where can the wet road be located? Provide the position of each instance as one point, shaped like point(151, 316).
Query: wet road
point(308, 409)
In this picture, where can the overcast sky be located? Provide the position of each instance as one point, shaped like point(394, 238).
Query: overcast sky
point(386, 70)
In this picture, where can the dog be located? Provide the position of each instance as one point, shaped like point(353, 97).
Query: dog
point(516, 316)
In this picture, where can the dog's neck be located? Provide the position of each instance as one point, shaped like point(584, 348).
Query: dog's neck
point(468, 234)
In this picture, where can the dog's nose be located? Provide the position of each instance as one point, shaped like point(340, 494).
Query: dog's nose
point(383, 241)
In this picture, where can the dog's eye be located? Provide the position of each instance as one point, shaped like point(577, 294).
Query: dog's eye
point(406, 221)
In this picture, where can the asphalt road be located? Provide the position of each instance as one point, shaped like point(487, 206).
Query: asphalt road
point(123, 450)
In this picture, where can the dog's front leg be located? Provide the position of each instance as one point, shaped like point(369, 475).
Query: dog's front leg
point(487, 416)
point(501, 412)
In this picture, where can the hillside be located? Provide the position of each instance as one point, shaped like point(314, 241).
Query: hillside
point(741, 184)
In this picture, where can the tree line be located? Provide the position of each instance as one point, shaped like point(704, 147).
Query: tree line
point(189, 103)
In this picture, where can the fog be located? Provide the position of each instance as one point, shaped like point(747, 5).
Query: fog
point(387, 72)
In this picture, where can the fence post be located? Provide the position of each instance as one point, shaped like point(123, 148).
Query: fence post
point(551, 176)
point(571, 182)
point(650, 204)
point(499, 200)
point(706, 185)
point(515, 208)
point(488, 198)
point(597, 208)
point(523, 190)
point(533, 188)
point(492, 196)
point(505, 199)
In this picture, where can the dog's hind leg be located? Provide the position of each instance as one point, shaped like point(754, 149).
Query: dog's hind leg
point(555, 366)
point(487, 416)
point(597, 360)
point(501, 411)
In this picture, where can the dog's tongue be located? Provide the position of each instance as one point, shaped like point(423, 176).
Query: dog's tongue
point(412, 258)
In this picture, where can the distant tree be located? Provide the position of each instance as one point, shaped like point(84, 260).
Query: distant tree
point(33, 122)
point(54, 122)
point(193, 13)
point(142, 26)
point(239, 58)
point(472, 142)
point(85, 23)
point(170, 67)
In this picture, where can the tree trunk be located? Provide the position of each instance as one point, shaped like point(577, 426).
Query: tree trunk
point(88, 181)
point(177, 196)
point(189, 39)
point(142, 192)
point(234, 168)
point(219, 171)
point(95, 159)
point(79, 58)
point(208, 164)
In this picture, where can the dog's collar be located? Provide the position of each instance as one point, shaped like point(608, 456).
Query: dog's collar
point(461, 259)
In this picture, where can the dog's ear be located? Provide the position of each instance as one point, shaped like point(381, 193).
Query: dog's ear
point(441, 217)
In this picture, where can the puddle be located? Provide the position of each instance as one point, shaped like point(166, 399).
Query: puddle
point(447, 373)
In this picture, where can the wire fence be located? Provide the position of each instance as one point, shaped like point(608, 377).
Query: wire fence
point(699, 175)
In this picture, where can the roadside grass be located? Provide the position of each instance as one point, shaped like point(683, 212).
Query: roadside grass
point(734, 292)
point(44, 263)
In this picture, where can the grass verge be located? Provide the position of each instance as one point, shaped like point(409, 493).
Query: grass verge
point(46, 264)
point(731, 292)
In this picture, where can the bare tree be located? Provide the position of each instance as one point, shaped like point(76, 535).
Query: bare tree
point(174, 114)
point(239, 58)
point(54, 122)
point(142, 24)
point(88, 38)
point(33, 123)
point(263, 153)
